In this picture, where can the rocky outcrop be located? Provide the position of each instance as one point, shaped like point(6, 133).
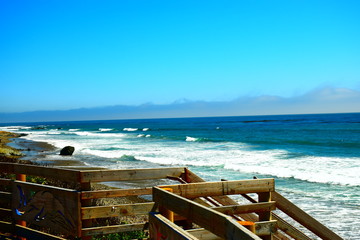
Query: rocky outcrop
point(67, 151)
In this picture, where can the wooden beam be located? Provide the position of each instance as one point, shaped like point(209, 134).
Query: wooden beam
point(5, 199)
point(246, 208)
point(7, 227)
point(129, 174)
point(217, 223)
point(191, 177)
point(265, 216)
point(289, 229)
point(265, 228)
point(205, 189)
point(29, 233)
point(116, 210)
point(85, 186)
point(303, 218)
point(203, 234)
point(283, 225)
point(162, 228)
point(115, 193)
point(112, 229)
point(5, 181)
point(5, 212)
point(65, 175)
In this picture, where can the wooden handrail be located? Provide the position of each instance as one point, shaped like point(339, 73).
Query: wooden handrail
point(216, 222)
point(116, 210)
point(303, 218)
point(205, 189)
point(65, 175)
point(112, 193)
point(129, 174)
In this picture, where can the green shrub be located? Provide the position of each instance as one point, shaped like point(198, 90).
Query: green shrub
point(122, 236)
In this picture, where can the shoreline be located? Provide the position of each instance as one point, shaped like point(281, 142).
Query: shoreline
point(14, 148)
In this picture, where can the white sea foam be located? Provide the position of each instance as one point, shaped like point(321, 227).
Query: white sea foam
point(105, 129)
point(230, 156)
point(312, 169)
point(146, 129)
point(87, 133)
point(74, 130)
point(14, 128)
point(130, 129)
point(191, 139)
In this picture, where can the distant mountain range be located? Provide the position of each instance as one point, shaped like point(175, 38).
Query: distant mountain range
point(325, 100)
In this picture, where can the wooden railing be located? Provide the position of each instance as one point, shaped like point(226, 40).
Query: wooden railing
point(70, 211)
point(214, 219)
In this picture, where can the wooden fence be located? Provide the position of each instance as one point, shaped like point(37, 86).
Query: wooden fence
point(214, 219)
point(68, 212)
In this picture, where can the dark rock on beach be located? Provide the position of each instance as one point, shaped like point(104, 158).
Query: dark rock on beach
point(67, 151)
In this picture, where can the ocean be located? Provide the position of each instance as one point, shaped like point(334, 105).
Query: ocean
point(315, 159)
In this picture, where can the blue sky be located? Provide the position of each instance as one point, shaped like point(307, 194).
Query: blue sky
point(59, 55)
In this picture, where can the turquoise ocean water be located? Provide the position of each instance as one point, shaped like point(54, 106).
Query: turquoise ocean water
point(315, 159)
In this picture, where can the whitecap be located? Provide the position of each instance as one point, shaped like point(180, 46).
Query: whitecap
point(191, 139)
point(146, 129)
point(130, 129)
point(74, 130)
point(105, 129)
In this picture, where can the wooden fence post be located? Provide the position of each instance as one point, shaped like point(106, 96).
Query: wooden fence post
point(21, 177)
point(165, 212)
point(86, 186)
point(265, 216)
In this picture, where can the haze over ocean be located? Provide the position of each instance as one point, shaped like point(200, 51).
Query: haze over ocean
point(315, 159)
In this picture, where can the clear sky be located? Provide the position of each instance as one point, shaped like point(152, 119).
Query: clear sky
point(59, 54)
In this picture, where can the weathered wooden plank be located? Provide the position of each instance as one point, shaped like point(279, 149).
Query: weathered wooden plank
point(283, 225)
point(129, 174)
point(217, 223)
point(32, 234)
point(5, 182)
point(65, 175)
point(115, 193)
point(265, 228)
point(7, 227)
point(265, 216)
point(5, 199)
point(5, 212)
point(194, 190)
point(47, 206)
point(7, 167)
point(203, 234)
point(112, 229)
point(303, 218)
point(246, 208)
point(289, 229)
point(161, 228)
point(191, 177)
point(86, 186)
point(264, 197)
point(116, 210)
